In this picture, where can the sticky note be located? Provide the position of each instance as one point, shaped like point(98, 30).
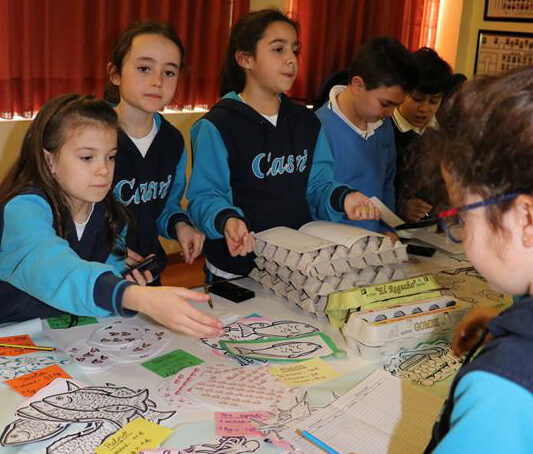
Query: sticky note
point(29, 384)
point(237, 424)
point(309, 372)
point(66, 321)
point(171, 363)
point(133, 437)
point(23, 339)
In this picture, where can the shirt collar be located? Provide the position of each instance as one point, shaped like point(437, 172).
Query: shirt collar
point(334, 105)
point(404, 126)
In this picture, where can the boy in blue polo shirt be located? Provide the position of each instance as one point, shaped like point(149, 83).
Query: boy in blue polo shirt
point(356, 120)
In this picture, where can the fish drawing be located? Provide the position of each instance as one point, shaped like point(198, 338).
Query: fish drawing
point(94, 399)
point(22, 431)
point(280, 328)
point(229, 445)
point(84, 442)
point(287, 349)
point(105, 408)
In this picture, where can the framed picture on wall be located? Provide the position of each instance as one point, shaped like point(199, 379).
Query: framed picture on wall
point(497, 52)
point(508, 10)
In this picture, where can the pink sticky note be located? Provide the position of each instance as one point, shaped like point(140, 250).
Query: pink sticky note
point(237, 424)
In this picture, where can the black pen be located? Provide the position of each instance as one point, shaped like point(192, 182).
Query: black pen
point(206, 291)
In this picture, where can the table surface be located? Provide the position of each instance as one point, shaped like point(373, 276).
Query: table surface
point(198, 427)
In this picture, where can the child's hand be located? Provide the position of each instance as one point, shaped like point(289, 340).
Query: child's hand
point(358, 207)
point(191, 240)
point(470, 329)
point(416, 209)
point(132, 260)
point(238, 239)
point(168, 306)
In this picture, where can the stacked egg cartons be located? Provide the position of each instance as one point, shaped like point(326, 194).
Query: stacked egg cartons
point(306, 279)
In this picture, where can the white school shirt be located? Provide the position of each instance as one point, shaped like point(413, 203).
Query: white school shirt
point(143, 143)
point(334, 105)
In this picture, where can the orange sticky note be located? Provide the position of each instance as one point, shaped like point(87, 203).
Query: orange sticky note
point(23, 339)
point(29, 384)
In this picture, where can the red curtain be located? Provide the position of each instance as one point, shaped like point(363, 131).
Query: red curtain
point(333, 30)
point(49, 47)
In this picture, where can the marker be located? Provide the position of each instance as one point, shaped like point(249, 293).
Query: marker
point(206, 291)
point(29, 347)
point(316, 441)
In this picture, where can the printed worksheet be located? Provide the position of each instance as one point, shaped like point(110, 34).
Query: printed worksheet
point(382, 415)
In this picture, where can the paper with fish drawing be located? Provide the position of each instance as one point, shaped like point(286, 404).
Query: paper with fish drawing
point(27, 385)
point(12, 367)
point(255, 327)
point(225, 445)
point(134, 436)
point(300, 348)
point(90, 413)
point(305, 373)
point(426, 364)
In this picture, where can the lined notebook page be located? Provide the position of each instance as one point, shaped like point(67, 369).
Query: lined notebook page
point(382, 414)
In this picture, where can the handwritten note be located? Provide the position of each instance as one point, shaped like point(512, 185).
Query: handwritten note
point(29, 384)
point(68, 321)
point(171, 363)
point(237, 424)
point(23, 339)
point(133, 437)
point(309, 372)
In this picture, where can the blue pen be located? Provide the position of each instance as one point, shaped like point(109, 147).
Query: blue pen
point(316, 442)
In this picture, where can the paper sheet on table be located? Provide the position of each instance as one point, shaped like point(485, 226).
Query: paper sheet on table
point(134, 436)
point(30, 327)
point(439, 240)
point(309, 372)
point(28, 384)
point(382, 415)
point(22, 339)
point(343, 234)
point(171, 363)
point(237, 423)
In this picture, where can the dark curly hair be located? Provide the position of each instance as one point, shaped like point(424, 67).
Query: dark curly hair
point(485, 140)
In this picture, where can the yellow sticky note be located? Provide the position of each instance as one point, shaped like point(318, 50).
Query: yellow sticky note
point(133, 437)
point(309, 372)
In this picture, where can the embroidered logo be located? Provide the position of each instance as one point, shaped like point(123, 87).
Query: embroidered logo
point(126, 192)
point(264, 166)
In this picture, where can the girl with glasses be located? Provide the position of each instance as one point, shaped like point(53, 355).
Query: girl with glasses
point(485, 150)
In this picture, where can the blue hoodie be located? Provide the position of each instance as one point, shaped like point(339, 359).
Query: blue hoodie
point(490, 408)
point(42, 274)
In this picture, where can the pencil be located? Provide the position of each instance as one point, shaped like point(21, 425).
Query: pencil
point(29, 347)
point(206, 291)
point(316, 441)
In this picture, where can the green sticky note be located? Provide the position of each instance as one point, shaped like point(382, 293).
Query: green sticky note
point(68, 321)
point(171, 363)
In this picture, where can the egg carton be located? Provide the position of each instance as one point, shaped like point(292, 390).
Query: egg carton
point(332, 260)
point(380, 333)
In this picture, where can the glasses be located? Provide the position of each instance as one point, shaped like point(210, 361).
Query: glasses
point(451, 221)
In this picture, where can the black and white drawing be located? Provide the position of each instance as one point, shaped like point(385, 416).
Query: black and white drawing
point(101, 410)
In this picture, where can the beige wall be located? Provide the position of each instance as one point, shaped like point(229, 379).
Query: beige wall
point(471, 22)
point(260, 4)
